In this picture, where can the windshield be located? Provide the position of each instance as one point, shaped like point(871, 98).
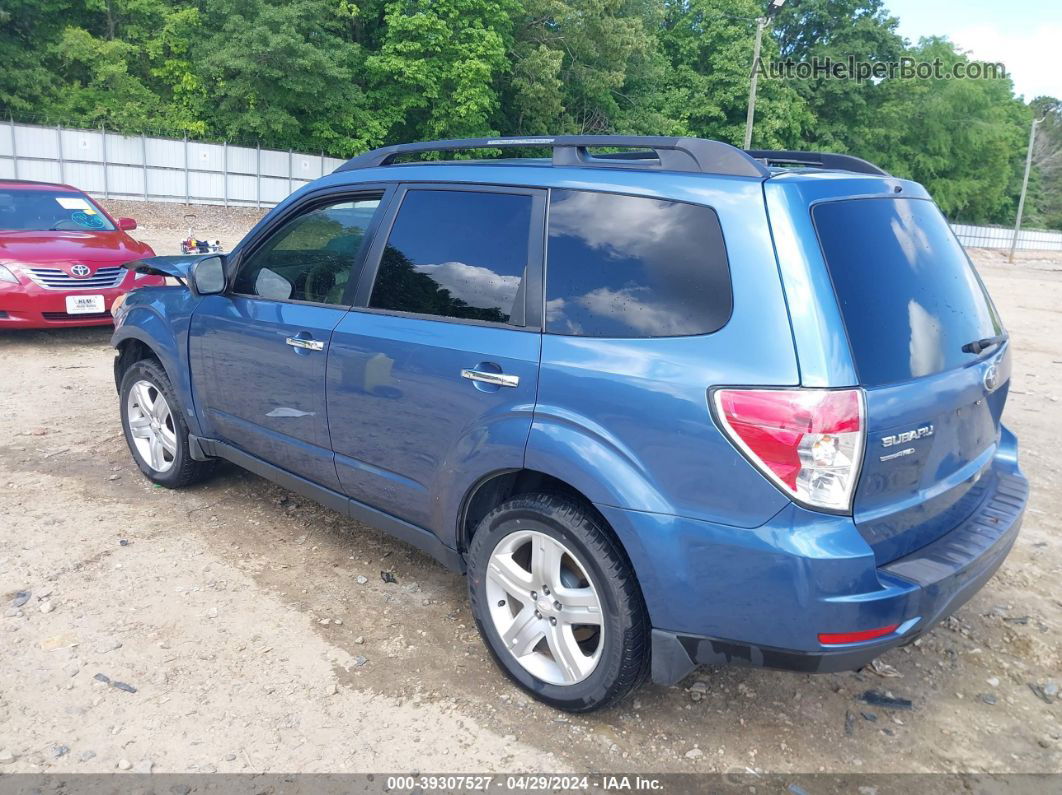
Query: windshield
point(910, 298)
point(46, 210)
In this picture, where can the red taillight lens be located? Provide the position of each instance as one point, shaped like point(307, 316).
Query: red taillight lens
point(834, 638)
point(809, 442)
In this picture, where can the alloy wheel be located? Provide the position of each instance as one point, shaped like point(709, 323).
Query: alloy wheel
point(151, 426)
point(544, 607)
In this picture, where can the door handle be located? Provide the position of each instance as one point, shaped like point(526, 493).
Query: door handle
point(497, 379)
point(309, 345)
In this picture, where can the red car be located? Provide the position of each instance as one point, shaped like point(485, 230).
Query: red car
point(61, 257)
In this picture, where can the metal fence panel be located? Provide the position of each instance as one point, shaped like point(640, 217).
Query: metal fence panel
point(124, 149)
point(159, 169)
point(1001, 237)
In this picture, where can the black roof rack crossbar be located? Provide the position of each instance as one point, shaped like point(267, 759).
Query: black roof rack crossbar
point(695, 155)
point(829, 160)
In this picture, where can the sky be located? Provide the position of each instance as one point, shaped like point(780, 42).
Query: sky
point(1024, 34)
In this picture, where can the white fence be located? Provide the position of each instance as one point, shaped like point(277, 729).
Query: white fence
point(168, 169)
point(1001, 237)
point(156, 169)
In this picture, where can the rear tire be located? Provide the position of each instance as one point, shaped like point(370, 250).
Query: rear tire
point(154, 427)
point(557, 603)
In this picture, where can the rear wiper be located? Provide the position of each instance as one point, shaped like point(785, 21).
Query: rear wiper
point(984, 344)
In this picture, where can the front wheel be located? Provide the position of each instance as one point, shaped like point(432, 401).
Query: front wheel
point(154, 428)
point(557, 603)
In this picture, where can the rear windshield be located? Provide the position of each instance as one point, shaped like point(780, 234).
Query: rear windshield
point(909, 296)
point(45, 210)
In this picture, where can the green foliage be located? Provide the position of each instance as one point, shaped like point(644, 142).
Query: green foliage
point(341, 76)
point(708, 45)
point(963, 139)
point(439, 65)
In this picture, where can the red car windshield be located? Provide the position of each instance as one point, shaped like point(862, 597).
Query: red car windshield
point(45, 210)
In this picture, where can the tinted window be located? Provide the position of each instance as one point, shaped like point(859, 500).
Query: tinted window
point(623, 266)
point(311, 257)
point(44, 210)
point(456, 254)
point(909, 296)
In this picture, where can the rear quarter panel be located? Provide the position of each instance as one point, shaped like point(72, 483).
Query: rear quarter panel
point(627, 421)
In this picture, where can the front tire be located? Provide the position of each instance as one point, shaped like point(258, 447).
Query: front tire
point(154, 427)
point(557, 603)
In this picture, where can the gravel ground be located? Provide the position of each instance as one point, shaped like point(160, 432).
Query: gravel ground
point(235, 627)
point(162, 225)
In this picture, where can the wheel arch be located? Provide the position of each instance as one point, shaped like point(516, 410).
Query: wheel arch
point(492, 490)
point(130, 351)
point(146, 335)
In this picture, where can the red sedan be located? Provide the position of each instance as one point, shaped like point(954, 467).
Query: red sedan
point(61, 256)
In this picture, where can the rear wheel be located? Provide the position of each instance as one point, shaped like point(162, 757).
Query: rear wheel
point(155, 429)
point(557, 604)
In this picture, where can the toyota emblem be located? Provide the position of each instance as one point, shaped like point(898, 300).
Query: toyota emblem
point(991, 379)
point(80, 271)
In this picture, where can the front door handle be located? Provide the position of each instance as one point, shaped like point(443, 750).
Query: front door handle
point(497, 379)
point(309, 345)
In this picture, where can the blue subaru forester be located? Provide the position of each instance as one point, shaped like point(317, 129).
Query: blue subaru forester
point(669, 404)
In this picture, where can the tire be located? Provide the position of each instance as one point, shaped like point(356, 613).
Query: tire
point(169, 462)
point(597, 664)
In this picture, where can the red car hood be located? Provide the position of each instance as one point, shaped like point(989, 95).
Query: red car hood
point(33, 247)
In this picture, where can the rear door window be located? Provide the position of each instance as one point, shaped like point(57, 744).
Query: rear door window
point(629, 266)
point(909, 296)
point(457, 254)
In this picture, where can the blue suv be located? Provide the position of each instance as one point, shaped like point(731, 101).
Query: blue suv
point(666, 402)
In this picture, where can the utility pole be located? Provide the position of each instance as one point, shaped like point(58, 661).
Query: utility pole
point(761, 22)
point(1024, 187)
point(750, 114)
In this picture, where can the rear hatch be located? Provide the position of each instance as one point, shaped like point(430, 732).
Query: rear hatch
point(930, 353)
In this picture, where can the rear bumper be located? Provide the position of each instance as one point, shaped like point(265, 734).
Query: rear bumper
point(760, 597)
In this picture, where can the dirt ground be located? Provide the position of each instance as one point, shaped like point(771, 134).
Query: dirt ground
point(242, 628)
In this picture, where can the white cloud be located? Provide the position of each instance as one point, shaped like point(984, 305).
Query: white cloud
point(1030, 56)
point(635, 307)
point(475, 285)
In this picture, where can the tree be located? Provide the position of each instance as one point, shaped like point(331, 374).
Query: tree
point(842, 112)
point(1045, 192)
point(439, 67)
point(709, 46)
point(964, 139)
point(284, 74)
point(585, 66)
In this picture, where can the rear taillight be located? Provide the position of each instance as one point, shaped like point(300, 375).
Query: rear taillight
point(809, 442)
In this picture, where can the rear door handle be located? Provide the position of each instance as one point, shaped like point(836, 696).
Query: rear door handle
point(309, 345)
point(497, 379)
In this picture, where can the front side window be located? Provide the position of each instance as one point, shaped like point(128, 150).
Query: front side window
point(457, 254)
point(627, 266)
point(311, 257)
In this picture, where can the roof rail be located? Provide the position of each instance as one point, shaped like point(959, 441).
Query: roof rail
point(817, 160)
point(694, 155)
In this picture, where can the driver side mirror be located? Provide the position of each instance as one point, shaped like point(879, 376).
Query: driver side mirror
point(208, 276)
point(127, 224)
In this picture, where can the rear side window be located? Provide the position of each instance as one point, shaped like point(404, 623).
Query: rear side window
point(627, 266)
point(909, 296)
point(458, 254)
